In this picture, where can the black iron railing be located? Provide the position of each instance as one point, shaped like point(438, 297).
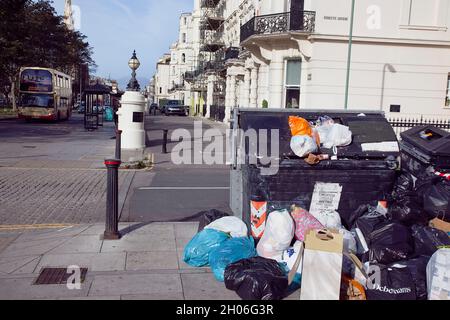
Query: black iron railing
point(217, 113)
point(279, 23)
point(177, 87)
point(401, 124)
point(209, 3)
point(232, 53)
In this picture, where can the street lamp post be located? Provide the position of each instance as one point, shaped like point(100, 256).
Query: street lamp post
point(349, 58)
point(134, 64)
point(131, 112)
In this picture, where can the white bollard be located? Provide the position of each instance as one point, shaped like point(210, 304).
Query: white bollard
point(131, 120)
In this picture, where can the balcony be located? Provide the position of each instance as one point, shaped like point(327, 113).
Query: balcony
point(209, 3)
point(213, 66)
point(212, 42)
point(303, 21)
point(177, 87)
point(212, 23)
point(189, 76)
point(232, 53)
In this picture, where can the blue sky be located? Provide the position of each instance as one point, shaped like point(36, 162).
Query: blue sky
point(116, 27)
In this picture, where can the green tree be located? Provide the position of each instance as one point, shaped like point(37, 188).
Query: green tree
point(32, 34)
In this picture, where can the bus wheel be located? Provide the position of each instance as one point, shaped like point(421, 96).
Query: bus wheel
point(58, 117)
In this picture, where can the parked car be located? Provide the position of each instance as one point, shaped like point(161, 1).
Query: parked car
point(174, 107)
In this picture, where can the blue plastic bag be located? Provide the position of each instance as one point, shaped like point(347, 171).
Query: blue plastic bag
point(229, 252)
point(196, 253)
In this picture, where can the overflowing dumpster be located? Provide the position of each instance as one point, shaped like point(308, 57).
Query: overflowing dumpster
point(322, 204)
point(363, 172)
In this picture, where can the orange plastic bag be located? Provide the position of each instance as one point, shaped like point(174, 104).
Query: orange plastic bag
point(300, 127)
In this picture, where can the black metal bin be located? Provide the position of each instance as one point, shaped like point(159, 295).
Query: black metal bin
point(366, 177)
point(425, 149)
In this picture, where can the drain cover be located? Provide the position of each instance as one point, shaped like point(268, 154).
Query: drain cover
point(29, 147)
point(57, 276)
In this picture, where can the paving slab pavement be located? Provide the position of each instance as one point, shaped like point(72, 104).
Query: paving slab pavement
point(145, 264)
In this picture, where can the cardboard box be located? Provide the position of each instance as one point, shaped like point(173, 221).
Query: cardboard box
point(440, 225)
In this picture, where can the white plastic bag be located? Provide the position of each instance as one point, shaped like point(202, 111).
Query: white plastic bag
point(329, 219)
point(335, 135)
point(438, 275)
point(303, 145)
point(231, 225)
point(278, 235)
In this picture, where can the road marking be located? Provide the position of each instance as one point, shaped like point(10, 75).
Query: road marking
point(34, 226)
point(184, 188)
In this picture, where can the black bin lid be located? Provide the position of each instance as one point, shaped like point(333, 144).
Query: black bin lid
point(429, 139)
point(371, 128)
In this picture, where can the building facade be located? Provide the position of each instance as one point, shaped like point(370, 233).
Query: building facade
point(400, 59)
point(294, 54)
point(162, 79)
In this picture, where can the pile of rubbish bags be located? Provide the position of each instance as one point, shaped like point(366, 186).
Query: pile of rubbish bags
point(379, 258)
point(398, 249)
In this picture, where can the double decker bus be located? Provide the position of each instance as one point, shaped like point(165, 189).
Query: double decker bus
point(45, 94)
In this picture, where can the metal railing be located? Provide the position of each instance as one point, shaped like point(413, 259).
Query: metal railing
point(177, 87)
point(217, 113)
point(402, 123)
point(279, 23)
point(209, 3)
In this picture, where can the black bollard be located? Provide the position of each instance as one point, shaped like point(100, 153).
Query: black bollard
point(112, 200)
point(119, 144)
point(164, 147)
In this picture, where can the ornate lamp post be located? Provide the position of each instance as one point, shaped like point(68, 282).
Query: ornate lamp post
point(134, 64)
point(131, 112)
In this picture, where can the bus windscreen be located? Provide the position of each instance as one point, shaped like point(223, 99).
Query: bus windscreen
point(36, 81)
point(36, 101)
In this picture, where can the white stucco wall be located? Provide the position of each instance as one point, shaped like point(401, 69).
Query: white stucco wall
point(401, 56)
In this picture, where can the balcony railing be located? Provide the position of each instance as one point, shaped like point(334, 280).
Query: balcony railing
point(209, 3)
point(279, 23)
point(232, 53)
point(177, 87)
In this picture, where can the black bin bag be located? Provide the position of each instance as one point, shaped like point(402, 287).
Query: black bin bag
point(403, 186)
point(408, 211)
point(206, 217)
point(391, 243)
point(436, 200)
point(395, 284)
point(367, 219)
point(418, 269)
point(428, 240)
point(256, 279)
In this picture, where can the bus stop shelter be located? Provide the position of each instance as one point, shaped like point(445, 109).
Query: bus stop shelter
point(95, 97)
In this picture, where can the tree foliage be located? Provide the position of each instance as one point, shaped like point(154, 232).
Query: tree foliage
point(33, 35)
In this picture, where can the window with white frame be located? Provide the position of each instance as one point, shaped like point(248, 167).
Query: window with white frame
point(293, 70)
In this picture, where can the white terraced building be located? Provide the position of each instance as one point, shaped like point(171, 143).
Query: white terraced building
point(293, 54)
